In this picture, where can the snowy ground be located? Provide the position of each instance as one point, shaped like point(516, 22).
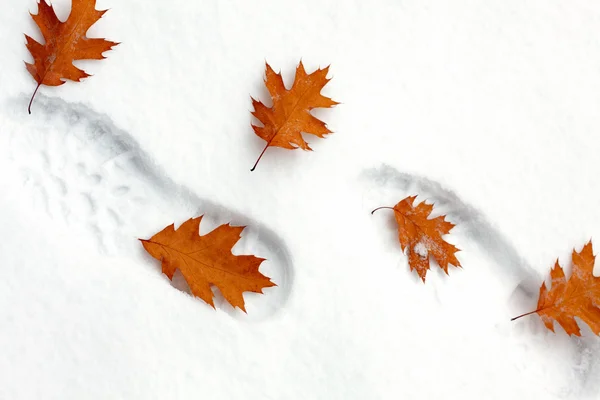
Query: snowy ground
point(488, 109)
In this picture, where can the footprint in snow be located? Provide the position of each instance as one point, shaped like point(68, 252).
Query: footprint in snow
point(385, 182)
point(95, 179)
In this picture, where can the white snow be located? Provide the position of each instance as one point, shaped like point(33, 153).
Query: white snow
point(487, 109)
point(421, 249)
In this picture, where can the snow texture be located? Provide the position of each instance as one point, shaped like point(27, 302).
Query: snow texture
point(421, 250)
point(489, 110)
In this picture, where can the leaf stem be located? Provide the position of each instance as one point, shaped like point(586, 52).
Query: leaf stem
point(379, 208)
point(32, 96)
point(522, 315)
point(259, 157)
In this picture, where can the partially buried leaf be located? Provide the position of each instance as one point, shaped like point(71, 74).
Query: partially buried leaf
point(289, 117)
point(577, 297)
point(423, 236)
point(207, 260)
point(64, 43)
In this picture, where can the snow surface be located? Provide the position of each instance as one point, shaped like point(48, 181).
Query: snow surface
point(488, 109)
point(421, 249)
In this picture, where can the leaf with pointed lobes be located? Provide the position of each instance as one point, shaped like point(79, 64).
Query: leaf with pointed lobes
point(207, 260)
point(577, 297)
point(289, 117)
point(423, 236)
point(64, 43)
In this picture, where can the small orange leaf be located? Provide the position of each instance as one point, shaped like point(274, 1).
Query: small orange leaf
point(577, 297)
point(284, 123)
point(207, 260)
point(423, 236)
point(65, 42)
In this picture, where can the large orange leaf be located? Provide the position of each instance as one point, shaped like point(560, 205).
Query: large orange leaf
point(577, 297)
point(64, 43)
point(207, 260)
point(423, 236)
point(289, 117)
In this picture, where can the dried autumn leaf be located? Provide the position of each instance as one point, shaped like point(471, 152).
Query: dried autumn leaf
point(284, 123)
point(423, 236)
point(207, 260)
point(65, 42)
point(577, 297)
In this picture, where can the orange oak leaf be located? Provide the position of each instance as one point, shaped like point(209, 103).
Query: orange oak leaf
point(423, 236)
point(207, 260)
point(284, 123)
point(577, 297)
point(64, 43)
